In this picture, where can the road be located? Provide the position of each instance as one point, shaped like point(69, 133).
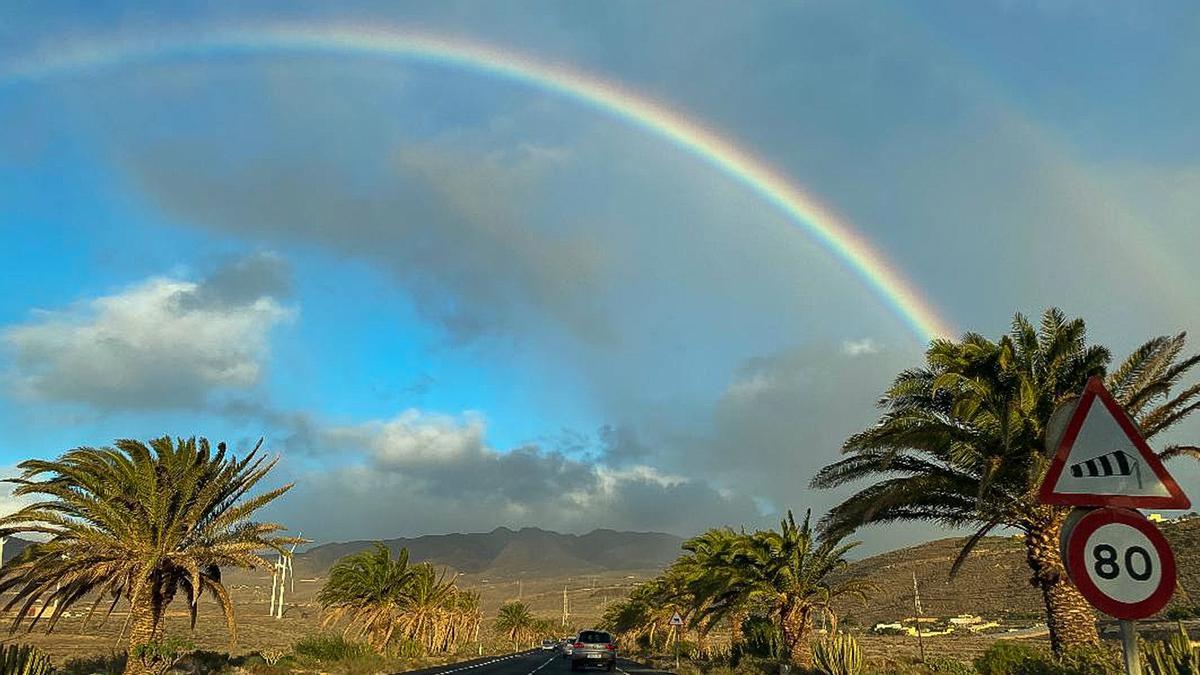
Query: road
point(528, 663)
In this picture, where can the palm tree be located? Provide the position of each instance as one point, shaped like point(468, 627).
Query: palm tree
point(383, 599)
point(366, 589)
point(428, 606)
point(709, 575)
point(466, 617)
point(516, 622)
point(795, 575)
point(137, 522)
point(963, 442)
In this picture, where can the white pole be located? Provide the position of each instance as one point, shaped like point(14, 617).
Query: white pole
point(274, 577)
point(2, 540)
point(1129, 644)
point(282, 585)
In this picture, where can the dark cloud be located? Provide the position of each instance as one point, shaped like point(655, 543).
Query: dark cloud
point(241, 282)
point(420, 472)
point(451, 225)
point(161, 343)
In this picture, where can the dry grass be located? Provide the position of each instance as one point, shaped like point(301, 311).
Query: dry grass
point(259, 633)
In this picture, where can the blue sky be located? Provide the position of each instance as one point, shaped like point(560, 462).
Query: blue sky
point(454, 302)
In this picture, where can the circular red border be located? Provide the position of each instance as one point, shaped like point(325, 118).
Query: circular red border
point(1077, 565)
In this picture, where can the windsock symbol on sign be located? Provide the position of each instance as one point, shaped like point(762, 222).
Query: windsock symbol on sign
point(1116, 463)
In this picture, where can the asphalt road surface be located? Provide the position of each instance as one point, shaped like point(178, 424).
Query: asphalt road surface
point(528, 663)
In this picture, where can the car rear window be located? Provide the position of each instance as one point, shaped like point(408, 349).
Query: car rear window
point(591, 637)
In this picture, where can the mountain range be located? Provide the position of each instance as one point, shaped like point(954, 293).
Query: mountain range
point(507, 553)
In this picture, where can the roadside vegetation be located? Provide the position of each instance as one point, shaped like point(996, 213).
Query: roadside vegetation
point(789, 577)
point(398, 608)
point(520, 627)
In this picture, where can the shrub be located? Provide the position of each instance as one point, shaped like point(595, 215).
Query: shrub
point(1175, 655)
point(761, 638)
point(159, 656)
point(1011, 658)
point(1182, 612)
point(112, 664)
point(330, 647)
point(1090, 661)
point(945, 664)
point(837, 655)
point(24, 660)
point(407, 648)
point(1017, 658)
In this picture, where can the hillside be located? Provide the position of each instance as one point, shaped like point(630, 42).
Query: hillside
point(528, 552)
point(994, 582)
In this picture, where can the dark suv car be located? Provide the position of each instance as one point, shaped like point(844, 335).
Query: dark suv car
point(594, 648)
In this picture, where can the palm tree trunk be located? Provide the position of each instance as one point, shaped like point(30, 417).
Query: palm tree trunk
point(1068, 615)
point(145, 629)
point(736, 620)
point(793, 626)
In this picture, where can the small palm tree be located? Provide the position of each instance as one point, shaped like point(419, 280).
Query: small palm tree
point(794, 574)
point(138, 522)
point(516, 622)
point(365, 589)
point(428, 607)
point(710, 576)
point(383, 599)
point(963, 442)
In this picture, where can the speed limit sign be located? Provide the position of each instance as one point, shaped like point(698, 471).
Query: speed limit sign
point(1120, 562)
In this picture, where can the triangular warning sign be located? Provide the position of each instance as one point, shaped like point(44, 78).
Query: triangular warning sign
point(1102, 460)
point(676, 620)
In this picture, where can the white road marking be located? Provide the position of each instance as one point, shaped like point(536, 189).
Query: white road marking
point(488, 663)
point(542, 666)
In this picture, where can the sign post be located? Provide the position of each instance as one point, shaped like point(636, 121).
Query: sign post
point(1129, 647)
point(1114, 555)
point(676, 623)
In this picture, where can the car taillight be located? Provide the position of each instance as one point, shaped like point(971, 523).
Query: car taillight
point(578, 645)
point(610, 647)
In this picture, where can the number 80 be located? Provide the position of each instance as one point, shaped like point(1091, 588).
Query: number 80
point(1106, 567)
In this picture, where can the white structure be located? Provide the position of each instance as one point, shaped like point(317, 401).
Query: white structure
point(280, 578)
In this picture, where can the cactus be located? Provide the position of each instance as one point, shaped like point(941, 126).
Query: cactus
point(23, 660)
point(1174, 656)
point(837, 654)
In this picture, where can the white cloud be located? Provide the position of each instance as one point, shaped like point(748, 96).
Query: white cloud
point(416, 438)
point(860, 347)
point(163, 342)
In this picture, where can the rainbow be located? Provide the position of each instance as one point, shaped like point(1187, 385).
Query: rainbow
point(832, 232)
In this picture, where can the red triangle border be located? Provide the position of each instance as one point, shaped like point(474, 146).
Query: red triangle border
point(1095, 389)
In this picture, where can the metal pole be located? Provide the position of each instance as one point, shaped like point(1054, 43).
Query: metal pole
point(676, 631)
point(1129, 644)
point(917, 604)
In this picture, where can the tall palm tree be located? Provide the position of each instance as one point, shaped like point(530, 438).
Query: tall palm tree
point(516, 622)
point(137, 522)
point(963, 442)
point(795, 574)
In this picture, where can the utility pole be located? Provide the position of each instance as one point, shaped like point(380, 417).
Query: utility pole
point(566, 607)
point(520, 588)
point(917, 604)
